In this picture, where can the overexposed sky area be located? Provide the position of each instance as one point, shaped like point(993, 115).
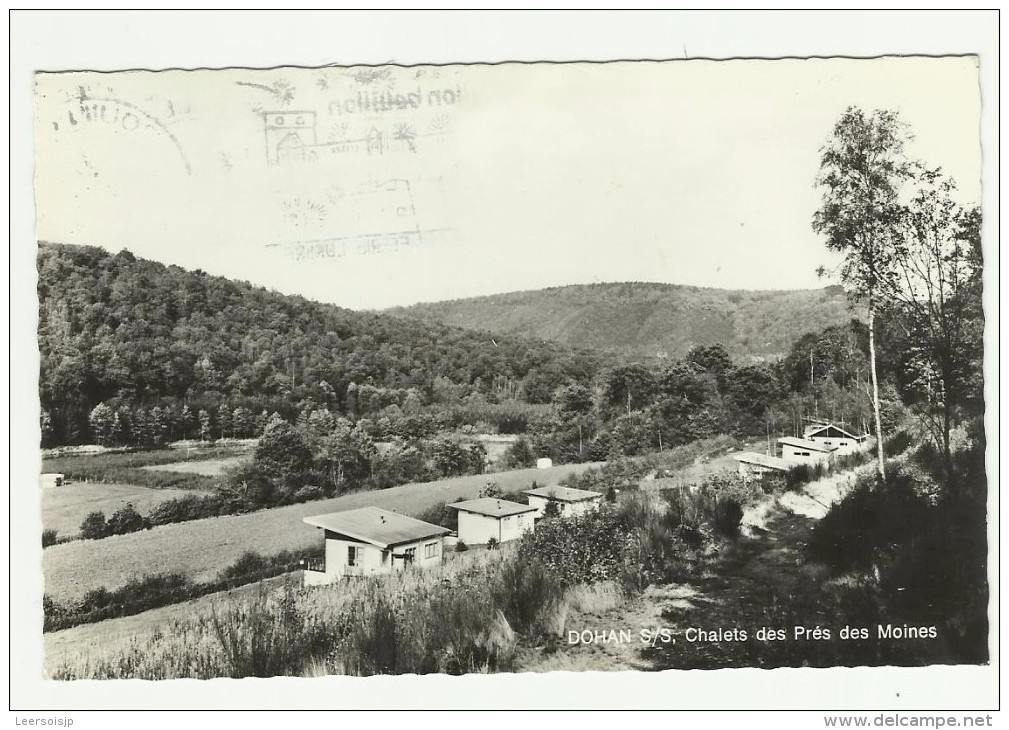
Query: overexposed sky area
point(374, 187)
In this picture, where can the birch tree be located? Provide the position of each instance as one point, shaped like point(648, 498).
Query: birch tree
point(862, 171)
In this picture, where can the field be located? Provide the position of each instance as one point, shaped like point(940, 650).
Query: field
point(206, 467)
point(201, 548)
point(63, 508)
point(181, 470)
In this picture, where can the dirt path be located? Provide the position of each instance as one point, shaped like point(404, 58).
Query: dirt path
point(758, 581)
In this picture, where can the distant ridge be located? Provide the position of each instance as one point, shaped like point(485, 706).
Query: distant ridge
point(647, 320)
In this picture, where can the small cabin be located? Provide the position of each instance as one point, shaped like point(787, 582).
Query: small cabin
point(569, 501)
point(371, 541)
point(804, 451)
point(829, 434)
point(481, 520)
point(752, 464)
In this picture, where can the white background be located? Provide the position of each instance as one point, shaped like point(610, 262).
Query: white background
point(119, 40)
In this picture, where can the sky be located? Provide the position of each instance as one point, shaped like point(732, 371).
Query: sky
point(377, 187)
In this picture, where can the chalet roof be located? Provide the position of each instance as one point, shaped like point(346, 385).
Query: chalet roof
point(377, 526)
point(493, 507)
point(806, 444)
point(828, 430)
point(563, 494)
point(771, 462)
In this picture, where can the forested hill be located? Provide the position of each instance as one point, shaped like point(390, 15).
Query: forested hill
point(647, 320)
point(139, 335)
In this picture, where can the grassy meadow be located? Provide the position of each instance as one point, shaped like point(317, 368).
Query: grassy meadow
point(204, 467)
point(63, 508)
point(133, 467)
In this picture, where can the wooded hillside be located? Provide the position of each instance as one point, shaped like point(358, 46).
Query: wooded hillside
point(645, 320)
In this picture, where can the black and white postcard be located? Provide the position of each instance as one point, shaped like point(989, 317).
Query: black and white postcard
point(618, 366)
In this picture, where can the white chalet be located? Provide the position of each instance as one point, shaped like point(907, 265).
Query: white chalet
point(569, 501)
point(486, 518)
point(371, 540)
point(830, 435)
point(804, 451)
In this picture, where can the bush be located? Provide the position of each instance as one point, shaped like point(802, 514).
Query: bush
point(94, 526)
point(461, 547)
point(873, 517)
point(527, 595)
point(581, 549)
point(48, 537)
point(308, 493)
point(728, 516)
point(492, 543)
point(189, 507)
point(126, 519)
point(248, 563)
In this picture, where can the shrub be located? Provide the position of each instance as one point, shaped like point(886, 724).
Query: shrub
point(873, 517)
point(48, 537)
point(189, 507)
point(492, 543)
point(94, 526)
point(526, 594)
point(728, 515)
point(248, 563)
point(126, 519)
point(581, 549)
point(461, 547)
point(308, 493)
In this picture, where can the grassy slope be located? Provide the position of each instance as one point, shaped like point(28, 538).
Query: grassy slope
point(63, 508)
point(202, 548)
point(643, 319)
point(81, 645)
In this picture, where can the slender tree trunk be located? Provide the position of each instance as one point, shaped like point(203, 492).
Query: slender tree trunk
point(875, 391)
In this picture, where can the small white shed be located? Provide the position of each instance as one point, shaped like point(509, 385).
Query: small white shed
point(488, 517)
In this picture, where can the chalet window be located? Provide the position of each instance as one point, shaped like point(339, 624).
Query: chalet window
point(430, 550)
point(409, 554)
point(352, 556)
point(802, 453)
